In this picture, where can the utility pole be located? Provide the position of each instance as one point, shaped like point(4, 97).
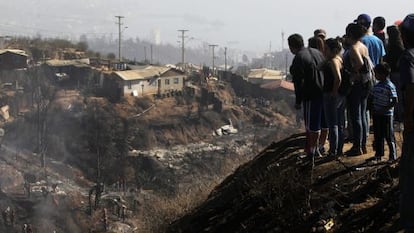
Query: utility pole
point(213, 46)
point(151, 54)
point(119, 36)
point(182, 45)
point(225, 59)
point(145, 54)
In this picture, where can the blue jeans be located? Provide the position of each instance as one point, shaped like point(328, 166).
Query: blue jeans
point(406, 181)
point(358, 112)
point(334, 107)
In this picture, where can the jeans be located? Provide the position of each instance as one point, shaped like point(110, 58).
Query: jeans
point(357, 108)
point(334, 109)
point(406, 181)
point(384, 129)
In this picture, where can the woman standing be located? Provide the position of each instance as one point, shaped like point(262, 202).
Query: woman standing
point(334, 100)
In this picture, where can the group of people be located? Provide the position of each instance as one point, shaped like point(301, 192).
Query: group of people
point(359, 76)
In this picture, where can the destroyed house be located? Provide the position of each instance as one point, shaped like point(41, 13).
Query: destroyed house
point(70, 72)
point(150, 80)
point(12, 59)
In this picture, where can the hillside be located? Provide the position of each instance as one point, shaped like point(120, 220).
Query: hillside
point(279, 192)
point(147, 151)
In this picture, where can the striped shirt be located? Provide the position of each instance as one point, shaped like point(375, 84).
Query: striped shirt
point(383, 94)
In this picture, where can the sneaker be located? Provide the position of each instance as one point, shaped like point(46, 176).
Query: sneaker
point(354, 151)
point(391, 161)
point(318, 154)
point(321, 150)
point(364, 149)
point(398, 126)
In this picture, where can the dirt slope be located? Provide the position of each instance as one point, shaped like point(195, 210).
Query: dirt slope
point(279, 192)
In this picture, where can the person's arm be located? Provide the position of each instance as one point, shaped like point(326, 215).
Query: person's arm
point(297, 72)
point(336, 67)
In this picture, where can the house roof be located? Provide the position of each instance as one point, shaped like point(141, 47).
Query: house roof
point(15, 51)
point(279, 84)
point(265, 74)
point(75, 62)
point(144, 73)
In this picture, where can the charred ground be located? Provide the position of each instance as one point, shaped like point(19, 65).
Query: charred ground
point(142, 143)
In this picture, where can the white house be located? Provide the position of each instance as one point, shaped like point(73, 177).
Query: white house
point(150, 80)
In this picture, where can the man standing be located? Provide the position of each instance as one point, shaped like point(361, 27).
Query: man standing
point(375, 46)
point(407, 157)
point(308, 82)
point(378, 26)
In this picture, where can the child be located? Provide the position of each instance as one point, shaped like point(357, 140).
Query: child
point(384, 98)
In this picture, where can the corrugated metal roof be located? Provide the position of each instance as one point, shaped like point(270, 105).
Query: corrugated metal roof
point(75, 62)
point(265, 74)
point(148, 72)
point(16, 51)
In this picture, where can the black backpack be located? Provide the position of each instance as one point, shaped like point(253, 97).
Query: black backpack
point(367, 73)
point(346, 82)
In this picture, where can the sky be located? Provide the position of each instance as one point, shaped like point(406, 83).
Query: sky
point(236, 24)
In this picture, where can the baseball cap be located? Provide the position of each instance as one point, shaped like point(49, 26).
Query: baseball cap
point(364, 20)
point(408, 23)
point(320, 33)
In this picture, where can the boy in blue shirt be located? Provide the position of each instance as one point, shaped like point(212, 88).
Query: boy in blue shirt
point(384, 98)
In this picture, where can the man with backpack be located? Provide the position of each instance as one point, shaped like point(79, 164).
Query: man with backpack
point(308, 80)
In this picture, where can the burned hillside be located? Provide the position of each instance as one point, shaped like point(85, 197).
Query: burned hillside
point(279, 192)
point(62, 139)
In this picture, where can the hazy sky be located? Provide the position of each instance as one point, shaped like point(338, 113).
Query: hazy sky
point(249, 25)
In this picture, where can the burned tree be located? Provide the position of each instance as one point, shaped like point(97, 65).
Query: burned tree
point(43, 94)
point(106, 136)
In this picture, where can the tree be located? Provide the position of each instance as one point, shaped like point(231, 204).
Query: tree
point(82, 46)
point(43, 94)
point(106, 134)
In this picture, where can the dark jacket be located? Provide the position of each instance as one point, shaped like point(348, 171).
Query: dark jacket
point(305, 66)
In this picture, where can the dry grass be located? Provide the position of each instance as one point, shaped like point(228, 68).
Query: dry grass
point(159, 212)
